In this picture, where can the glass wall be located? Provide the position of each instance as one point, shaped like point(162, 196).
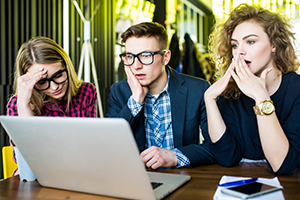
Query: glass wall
point(190, 20)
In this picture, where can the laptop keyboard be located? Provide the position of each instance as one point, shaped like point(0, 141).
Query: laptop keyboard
point(155, 184)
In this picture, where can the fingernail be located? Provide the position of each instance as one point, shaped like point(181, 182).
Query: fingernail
point(45, 71)
point(41, 68)
point(270, 69)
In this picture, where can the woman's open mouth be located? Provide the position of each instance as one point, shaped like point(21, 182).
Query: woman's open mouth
point(248, 63)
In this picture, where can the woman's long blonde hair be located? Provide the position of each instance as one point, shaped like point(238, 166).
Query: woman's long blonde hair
point(43, 50)
point(275, 26)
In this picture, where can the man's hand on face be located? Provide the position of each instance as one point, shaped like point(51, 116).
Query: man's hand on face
point(155, 157)
point(138, 91)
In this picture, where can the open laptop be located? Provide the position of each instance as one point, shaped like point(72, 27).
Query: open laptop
point(91, 155)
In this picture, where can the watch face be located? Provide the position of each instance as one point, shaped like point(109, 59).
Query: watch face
point(267, 108)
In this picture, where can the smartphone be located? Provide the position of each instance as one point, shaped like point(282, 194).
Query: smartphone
point(251, 190)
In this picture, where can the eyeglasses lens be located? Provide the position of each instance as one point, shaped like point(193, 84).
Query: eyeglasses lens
point(57, 78)
point(146, 58)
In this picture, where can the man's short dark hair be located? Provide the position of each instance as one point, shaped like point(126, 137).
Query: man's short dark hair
point(147, 29)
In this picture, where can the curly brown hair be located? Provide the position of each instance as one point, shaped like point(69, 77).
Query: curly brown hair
point(276, 26)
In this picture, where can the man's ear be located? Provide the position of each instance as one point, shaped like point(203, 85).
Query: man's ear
point(167, 57)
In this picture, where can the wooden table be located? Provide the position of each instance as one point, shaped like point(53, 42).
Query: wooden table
point(202, 185)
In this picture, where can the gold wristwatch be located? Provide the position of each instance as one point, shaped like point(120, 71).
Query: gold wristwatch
point(265, 107)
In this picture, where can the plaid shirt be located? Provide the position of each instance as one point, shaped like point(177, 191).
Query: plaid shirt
point(82, 105)
point(158, 122)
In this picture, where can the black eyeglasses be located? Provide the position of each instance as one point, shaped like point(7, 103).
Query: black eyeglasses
point(146, 58)
point(58, 78)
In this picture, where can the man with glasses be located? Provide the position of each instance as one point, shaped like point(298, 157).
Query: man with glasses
point(165, 109)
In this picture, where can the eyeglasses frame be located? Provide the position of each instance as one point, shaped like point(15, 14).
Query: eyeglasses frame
point(137, 56)
point(51, 79)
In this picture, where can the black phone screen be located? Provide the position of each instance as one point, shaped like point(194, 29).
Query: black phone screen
point(252, 188)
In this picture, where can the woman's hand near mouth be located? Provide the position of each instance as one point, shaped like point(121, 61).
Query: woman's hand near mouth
point(249, 84)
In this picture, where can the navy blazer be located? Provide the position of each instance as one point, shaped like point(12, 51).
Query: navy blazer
point(188, 113)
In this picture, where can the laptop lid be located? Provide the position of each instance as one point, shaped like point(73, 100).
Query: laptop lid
point(92, 155)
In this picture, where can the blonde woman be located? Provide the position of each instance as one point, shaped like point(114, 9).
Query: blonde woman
point(46, 84)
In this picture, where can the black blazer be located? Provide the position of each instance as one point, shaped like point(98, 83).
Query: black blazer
point(188, 113)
